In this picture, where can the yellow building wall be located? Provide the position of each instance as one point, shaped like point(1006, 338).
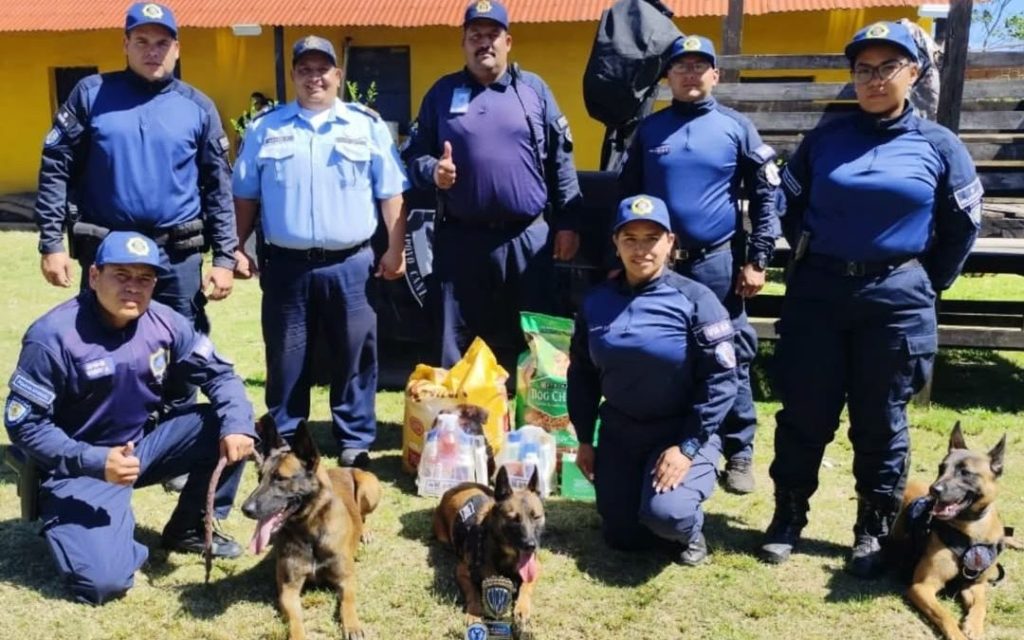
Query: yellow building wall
point(228, 68)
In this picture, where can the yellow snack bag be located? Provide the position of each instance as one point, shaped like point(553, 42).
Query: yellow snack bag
point(477, 379)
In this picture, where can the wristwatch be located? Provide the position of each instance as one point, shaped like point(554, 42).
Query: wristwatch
point(689, 447)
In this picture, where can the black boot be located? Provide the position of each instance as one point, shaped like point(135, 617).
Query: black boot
point(874, 520)
point(791, 506)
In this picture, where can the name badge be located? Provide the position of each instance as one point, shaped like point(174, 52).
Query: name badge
point(460, 100)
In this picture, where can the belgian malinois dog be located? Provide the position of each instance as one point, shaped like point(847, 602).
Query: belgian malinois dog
point(493, 533)
point(955, 533)
point(317, 515)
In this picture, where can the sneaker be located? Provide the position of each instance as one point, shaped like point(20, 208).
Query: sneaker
point(358, 458)
point(194, 541)
point(696, 552)
point(175, 484)
point(739, 476)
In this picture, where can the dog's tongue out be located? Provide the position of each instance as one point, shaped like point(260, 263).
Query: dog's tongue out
point(946, 510)
point(264, 529)
point(527, 566)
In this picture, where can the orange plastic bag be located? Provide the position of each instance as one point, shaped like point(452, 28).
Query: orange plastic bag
point(476, 379)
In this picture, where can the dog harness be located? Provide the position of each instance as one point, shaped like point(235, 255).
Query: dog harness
point(973, 558)
point(468, 533)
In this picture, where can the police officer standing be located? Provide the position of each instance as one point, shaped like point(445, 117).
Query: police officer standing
point(90, 373)
point(316, 169)
point(140, 150)
point(882, 208)
point(492, 139)
point(700, 156)
point(653, 355)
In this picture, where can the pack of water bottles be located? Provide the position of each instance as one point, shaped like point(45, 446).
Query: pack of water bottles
point(450, 456)
point(527, 449)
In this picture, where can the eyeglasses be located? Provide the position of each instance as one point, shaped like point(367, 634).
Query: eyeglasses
point(865, 73)
point(690, 67)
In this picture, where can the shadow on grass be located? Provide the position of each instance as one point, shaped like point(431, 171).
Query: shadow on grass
point(970, 378)
point(25, 560)
point(844, 587)
point(230, 585)
point(418, 526)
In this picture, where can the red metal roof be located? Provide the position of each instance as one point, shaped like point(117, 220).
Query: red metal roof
point(76, 15)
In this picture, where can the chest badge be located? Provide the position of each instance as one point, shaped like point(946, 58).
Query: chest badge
point(158, 364)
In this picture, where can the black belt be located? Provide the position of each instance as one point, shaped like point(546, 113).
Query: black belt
point(313, 255)
point(494, 225)
point(842, 267)
point(689, 255)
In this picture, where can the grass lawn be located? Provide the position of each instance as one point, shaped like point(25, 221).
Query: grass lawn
point(406, 589)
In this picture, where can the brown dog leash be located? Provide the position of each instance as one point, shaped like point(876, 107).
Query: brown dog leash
point(208, 519)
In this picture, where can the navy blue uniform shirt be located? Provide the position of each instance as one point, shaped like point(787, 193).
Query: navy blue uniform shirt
point(137, 156)
point(697, 157)
point(81, 387)
point(877, 190)
point(659, 351)
point(502, 175)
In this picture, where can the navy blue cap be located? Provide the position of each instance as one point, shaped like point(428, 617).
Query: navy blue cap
point(892, 33)
point(698, 45)
point(487, 10)
point(314, 43)
point(128, 247)
point(641, 207)
point(142, 13)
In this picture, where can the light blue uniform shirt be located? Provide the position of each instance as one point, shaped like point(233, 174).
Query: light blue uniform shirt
point(318, 189)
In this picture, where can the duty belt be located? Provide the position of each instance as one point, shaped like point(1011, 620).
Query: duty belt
point(315, 254)
point(495, 225)
point(689, 255)
point(842, 267)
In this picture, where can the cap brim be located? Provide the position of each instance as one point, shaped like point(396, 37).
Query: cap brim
point(854, 48)
point(297, 57)
point(173, 32)
point(618, 226)
point(483, 19)
point(704, 54)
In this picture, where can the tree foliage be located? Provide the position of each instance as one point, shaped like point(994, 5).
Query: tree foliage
point(1001, 28)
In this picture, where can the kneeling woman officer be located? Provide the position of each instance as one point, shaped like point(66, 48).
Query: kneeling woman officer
point(658, 347)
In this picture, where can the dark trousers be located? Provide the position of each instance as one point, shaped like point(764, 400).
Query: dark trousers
point(867, 342)
point(716, 271)
point(302, 300)
point(483, 277)
point(89, 524)
point(633, 516)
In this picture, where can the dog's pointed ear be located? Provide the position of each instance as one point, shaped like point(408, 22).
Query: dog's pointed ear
point(502, 487)
point(995, 456)
point(304, 447)
point(534, 481)
point(266, 429)
point(956, 439)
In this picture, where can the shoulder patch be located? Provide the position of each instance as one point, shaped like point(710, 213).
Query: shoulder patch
point(725, 354)
point(709, 334)
point(223, 143)
point(31, 390)
point(16, 411)
point(792, 184)
point(970, 195)
point(158, 364)
point(53, 136)
point(65, 119)
point(770, 173)
point(203, 348)
point(562, 123)
point(763, 154)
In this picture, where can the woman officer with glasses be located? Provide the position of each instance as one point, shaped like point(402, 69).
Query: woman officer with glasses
point(882, 209)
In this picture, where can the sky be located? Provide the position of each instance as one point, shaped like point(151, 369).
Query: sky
point(977, 34)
